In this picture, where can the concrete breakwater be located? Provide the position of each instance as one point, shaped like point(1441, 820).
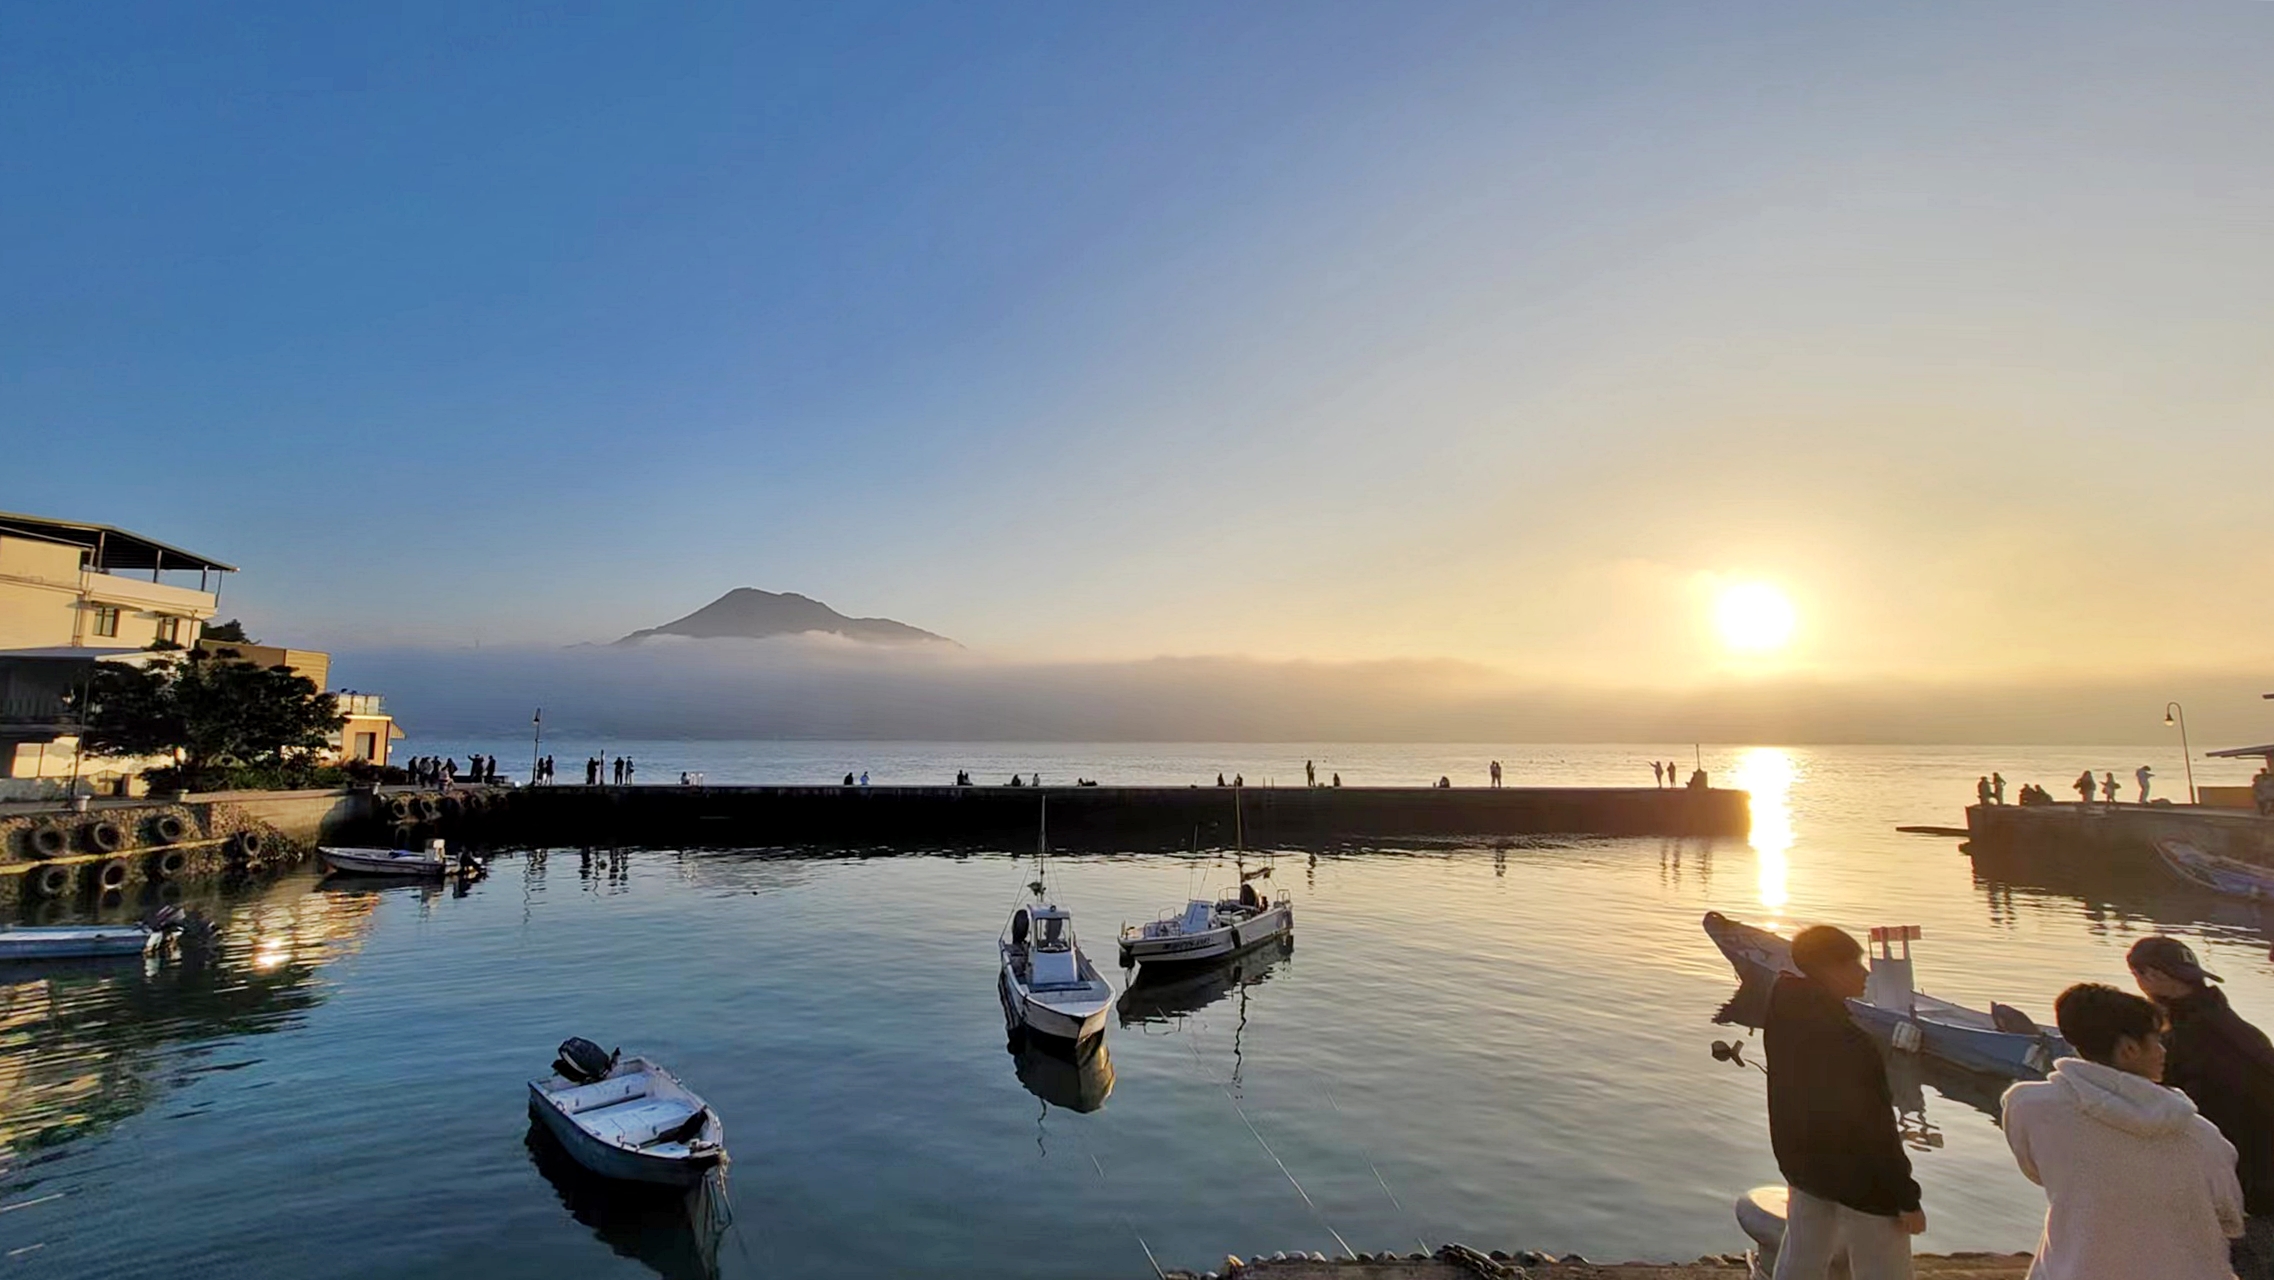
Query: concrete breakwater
point(2117, 837)
point(1080, 818)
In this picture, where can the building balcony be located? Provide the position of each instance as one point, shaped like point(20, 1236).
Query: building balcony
point(148, 597)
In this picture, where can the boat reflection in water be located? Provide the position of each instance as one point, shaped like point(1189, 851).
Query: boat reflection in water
point(1073, 1079)
point(672, 1231)
point(87, 1044)
point(1166, 999)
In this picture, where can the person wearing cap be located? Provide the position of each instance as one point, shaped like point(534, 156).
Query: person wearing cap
point(2226, 1066)
point(1832, 1122)
point(2137, 1183)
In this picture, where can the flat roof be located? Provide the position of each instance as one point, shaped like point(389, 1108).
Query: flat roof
point(121, 549)
point(2242, 753)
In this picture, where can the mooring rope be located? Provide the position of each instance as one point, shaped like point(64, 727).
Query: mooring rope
point(1241, 1111)
point(1084, 1139)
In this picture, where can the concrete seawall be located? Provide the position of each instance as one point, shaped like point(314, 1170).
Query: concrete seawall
point(1103, 818)
point(2116, 837)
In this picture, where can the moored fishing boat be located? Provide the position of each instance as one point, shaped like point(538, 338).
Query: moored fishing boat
point(90, 941)
point(1208, 930)
point(1048, 987)
point(627, 1118)
point(2230, 876)
point(432, 862)
point(2003, 1041)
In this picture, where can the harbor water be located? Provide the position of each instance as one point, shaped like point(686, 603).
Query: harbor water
point(1500, 1043)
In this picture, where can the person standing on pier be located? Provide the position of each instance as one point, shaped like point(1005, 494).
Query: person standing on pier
point(2137, 1182)
point(2108, 786)
point(1496, 775)
point(2226, 1066)
point(1310, 773)
point(1982, 791)
point(628, 768)
point(1657, 773)
point(2084, 785)
point(1997, 788)
point(1832, 1122)
point(2141, 776)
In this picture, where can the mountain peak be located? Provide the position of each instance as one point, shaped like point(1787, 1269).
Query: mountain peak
point(746, 613)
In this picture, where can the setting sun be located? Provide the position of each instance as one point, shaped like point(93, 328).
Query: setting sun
point(1754, 617)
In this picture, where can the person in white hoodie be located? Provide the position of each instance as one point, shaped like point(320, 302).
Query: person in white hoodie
point(2138, 1184)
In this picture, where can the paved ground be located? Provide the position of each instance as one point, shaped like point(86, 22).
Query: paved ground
point(1962, 1266)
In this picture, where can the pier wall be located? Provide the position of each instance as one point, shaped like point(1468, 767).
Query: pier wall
point(2117, 836)
point(1103, 818)
point(146, 863)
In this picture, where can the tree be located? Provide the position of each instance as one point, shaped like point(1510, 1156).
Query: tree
point(230, 632)
point(220, 715)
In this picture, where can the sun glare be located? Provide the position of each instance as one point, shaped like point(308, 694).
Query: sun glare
point(1754, 617)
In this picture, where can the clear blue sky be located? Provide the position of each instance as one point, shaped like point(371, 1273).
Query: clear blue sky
point(1496, 331)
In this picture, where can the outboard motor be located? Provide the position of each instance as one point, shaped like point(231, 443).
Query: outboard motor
point(583, 1062)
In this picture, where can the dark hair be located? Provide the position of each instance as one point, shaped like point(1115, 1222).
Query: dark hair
point(1819, 948)
point(2093, 1016)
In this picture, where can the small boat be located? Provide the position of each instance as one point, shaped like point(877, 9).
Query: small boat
point(90, 941)
point(432, 862)
point(2230, 876)
point(627, 1118)
point(1048, 987)
point(1209, 930)
point(2003, 1042)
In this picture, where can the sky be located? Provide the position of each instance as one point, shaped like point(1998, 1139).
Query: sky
point(1504, 335)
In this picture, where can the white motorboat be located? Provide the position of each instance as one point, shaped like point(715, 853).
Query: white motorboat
point(1048, 986)
point(76, 941)
point(627, 1118)
point(1210, 930)
point(93, 941)
point(432, 861)
point(2003, 1042)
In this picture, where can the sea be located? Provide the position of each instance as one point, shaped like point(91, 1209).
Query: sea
point(1508, 1043)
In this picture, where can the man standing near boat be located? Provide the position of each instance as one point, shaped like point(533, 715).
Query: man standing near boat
point(2226, 1066)
point(1832, 1122)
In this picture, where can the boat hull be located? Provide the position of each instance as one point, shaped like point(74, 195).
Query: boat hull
point(1209, 946)
point(359, 862)
point(67, 942)
point(1760, 957)
point(2225, 876)
point(611, 1161)
point(1025, 1011)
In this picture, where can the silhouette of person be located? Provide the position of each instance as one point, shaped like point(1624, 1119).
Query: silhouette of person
point(1310, 773)
point(2141, 775)
point(1219, 779)
point(1496, 773)
point(1239, 779)
point(628, 768)
point(1338, 779)
point(2108, 786)
point(1982, 790)
point(864, 777)
point(1997, 788)
point(848, 779)
point(2083, 787)
point(1657, 773)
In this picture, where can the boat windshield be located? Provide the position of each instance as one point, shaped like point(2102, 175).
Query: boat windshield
point(1054, 936)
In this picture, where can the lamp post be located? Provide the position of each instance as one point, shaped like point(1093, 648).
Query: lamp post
point(536, 742)
point(2171, 710)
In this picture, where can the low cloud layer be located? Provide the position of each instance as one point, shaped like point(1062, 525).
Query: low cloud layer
point(813, 689)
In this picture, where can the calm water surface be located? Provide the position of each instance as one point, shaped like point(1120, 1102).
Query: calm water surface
point(1503, 1045)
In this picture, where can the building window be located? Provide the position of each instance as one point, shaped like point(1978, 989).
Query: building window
point(366, 745)
point(169, 630)
point(106, 619)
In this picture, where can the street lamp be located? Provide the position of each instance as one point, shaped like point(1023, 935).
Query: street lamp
point(2171, 709)
point(536, 743)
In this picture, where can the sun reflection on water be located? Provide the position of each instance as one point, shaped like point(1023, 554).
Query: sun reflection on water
point(1768, 773)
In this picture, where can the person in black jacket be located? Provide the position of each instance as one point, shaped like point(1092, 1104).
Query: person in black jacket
point(2226, 1067)
point(1832, 1122)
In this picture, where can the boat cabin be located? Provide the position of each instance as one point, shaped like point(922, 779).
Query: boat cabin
point(1043, 936)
